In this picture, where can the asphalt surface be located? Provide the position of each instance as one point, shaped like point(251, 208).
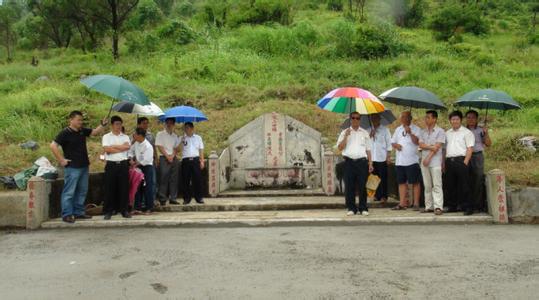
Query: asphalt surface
point(348, 262)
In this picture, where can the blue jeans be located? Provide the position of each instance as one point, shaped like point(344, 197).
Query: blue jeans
point(74, 192)
point(148, 191)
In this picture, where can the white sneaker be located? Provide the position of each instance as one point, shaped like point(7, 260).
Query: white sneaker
point(350, 213)
point(364, 213)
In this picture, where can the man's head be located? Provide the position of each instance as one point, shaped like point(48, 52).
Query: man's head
point(140, 135)
point(116, 124)
point(472, 117)
point(143, 123)
point(170, 123)
point(355, 118)
point(189, 128)
point(431, 117)
point(406, 118)
point(375, 119)
point(455, 118)
point(75, 119)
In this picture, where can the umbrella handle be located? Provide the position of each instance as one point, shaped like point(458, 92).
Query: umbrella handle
point(110, 109)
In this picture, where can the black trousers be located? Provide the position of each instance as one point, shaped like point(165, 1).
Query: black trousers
point(355, 176)
point(457, 184)
point(116, 187)
point(191, 172)
point(380, 169)
point(477, 179)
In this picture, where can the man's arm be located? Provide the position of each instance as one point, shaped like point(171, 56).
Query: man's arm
point(99, 129)
point(468, 156)
point(486, 138)
point(369, 157)
point(59, 157)
point(117, 148)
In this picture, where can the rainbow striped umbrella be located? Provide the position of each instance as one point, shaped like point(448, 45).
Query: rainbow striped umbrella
point(349, 99)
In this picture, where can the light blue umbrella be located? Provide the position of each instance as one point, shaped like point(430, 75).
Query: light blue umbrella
point(184, 114)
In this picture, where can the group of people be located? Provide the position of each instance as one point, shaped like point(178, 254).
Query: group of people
point(450, 165)
point(122, 152)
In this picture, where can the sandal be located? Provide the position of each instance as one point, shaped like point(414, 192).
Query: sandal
point(427, 210)
point(438, 212)
point(398, 207)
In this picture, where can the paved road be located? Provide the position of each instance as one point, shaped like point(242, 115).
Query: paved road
point(349, 262)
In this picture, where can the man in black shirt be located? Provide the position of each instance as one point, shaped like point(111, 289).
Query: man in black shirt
point(72, 139)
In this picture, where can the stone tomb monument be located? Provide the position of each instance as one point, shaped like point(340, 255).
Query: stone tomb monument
point(273, 151)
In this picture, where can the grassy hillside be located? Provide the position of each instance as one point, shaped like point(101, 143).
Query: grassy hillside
point(236, 74)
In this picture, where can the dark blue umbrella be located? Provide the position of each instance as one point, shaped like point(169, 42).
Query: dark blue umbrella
point(184, 114)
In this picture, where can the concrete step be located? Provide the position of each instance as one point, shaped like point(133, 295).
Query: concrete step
point(272, 193)
point(267, 203)
point(327, 217)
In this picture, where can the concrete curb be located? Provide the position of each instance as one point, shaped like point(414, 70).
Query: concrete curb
point(267, 222)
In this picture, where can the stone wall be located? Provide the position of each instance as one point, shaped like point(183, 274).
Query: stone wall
point(13, 209)
point(523, 205)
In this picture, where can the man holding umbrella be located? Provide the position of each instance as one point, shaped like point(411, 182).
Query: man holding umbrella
point(405, 141)
point(355, 145)
point(381, 154)
point(168, 142)
point(477, 173)
point(192, 163)
point(72, 139)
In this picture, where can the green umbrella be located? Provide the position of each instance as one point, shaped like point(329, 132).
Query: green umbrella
point(488, 99)
point(117, 88)
point(412, 97)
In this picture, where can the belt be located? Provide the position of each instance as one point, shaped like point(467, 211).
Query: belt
point(191, 158)
point(117, 162)
point(456, 158)
point(354, 160)
point(477, 152)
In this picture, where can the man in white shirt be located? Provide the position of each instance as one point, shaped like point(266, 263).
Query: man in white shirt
point(381, 155)
point(355, 146)
point(405, 141)
point(459, 148)
point(168, 142)
point(431, 141)
point(116, 146)
point(142, 157)
point(192, 163)
point(477, 170)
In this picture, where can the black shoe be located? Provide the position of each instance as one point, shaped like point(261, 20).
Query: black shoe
point(173, 202)
point(468, 213)
point(126, 215)
point(107, 216)
point(452, 209)
point(163, 203)
point(83, 217)
point(200, 202)
point(68, 219)
point(186, 202)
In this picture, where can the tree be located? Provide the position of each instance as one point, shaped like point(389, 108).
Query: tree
point(53, 21)
point(112, 14)
point(9, 14)
point(359, 10)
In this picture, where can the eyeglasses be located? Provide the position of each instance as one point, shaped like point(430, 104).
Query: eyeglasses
point(355, 118)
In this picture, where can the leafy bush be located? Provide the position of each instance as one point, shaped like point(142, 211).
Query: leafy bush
point(146, 14)
point(452, 20)
point(335, 5)
point(263, 11)
point(178, 31)
point(366, 41)
point(184, 9)
point(411, 13)
point(509, 148)
point(141, 42)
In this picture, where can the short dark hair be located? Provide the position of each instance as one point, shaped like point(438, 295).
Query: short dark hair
point(140, 131)
point(455, 113)
point(141, 119)
point(433, 113)
point(75, 113)
point(170, 119)
point(472, 112)
point(115, 119)
point(189, 124)
point(354, 113)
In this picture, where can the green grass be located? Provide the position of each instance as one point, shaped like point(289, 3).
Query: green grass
point(234, 80)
